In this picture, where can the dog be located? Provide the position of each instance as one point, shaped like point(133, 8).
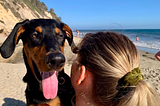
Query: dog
point(43, 53)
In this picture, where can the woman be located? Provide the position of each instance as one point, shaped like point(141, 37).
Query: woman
point(106, 73)
point(157, 55)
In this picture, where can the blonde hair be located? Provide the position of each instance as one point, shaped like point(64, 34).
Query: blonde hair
point(109, 56)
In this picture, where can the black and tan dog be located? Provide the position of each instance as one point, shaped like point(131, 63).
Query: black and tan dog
point(43, 52)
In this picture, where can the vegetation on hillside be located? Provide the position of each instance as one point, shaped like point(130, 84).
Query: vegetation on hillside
point(7, 6)
point(2, 22)
point(40, 7)
point(34, 5)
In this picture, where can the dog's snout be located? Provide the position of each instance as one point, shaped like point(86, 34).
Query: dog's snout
point(55, 60)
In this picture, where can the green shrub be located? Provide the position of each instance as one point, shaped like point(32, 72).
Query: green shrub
point(31, 6)
point(2, 21)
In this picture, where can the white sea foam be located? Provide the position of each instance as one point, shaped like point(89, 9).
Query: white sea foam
point(148, 38)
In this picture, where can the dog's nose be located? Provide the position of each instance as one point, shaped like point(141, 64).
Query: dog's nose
point(55, 60)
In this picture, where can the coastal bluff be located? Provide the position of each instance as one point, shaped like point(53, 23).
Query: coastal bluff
point(14, 11)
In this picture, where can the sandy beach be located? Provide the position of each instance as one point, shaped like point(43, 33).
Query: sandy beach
point(13, 69)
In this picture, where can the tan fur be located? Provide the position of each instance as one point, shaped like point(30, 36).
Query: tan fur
point(57, 30)
point(20, 30)
point(39, 29)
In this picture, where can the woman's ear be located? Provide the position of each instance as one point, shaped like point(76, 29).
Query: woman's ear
point(82, 74)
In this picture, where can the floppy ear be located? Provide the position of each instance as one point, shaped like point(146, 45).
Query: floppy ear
point(69, 34)
point(9, 44)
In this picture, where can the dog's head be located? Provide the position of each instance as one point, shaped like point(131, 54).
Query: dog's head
point(43, 41)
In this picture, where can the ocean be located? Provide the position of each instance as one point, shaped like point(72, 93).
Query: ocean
point(149, 39)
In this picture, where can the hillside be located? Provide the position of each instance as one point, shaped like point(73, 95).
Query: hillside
point(13, 11)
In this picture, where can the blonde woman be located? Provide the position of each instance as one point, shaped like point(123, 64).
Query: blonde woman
point(106, 73)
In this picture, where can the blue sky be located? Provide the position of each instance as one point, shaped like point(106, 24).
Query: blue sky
point(106, 14)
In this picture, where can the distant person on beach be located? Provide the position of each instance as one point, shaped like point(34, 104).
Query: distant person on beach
point(157, 56)
point(6, 35)
point(137, 39)
point(77, 33)
point(83, 34)
point(106, 73)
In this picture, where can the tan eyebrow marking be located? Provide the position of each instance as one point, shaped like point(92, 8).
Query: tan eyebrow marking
point(57, 30)
point(39, 29)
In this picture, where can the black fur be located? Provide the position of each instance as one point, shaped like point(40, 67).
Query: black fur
point(52, 42)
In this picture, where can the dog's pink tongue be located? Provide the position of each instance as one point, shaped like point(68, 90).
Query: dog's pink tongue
point(49, 85)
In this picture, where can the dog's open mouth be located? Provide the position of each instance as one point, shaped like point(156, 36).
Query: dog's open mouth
point(49, 82)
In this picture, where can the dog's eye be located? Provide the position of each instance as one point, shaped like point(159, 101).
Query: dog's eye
point(34, 35)
point(60, 35)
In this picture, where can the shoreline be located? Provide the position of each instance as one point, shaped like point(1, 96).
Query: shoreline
point(150, 50)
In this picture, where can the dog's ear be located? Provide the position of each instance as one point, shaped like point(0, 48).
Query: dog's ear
point(9, 44)
point(69, 34)
point(68, 31)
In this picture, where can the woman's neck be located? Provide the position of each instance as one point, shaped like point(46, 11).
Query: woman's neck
point(84, 100)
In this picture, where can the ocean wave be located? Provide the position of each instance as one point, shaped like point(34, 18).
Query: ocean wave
point(148, 38)
point(152, 45)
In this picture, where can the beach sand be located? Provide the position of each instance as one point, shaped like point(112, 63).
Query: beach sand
point(13, 69)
